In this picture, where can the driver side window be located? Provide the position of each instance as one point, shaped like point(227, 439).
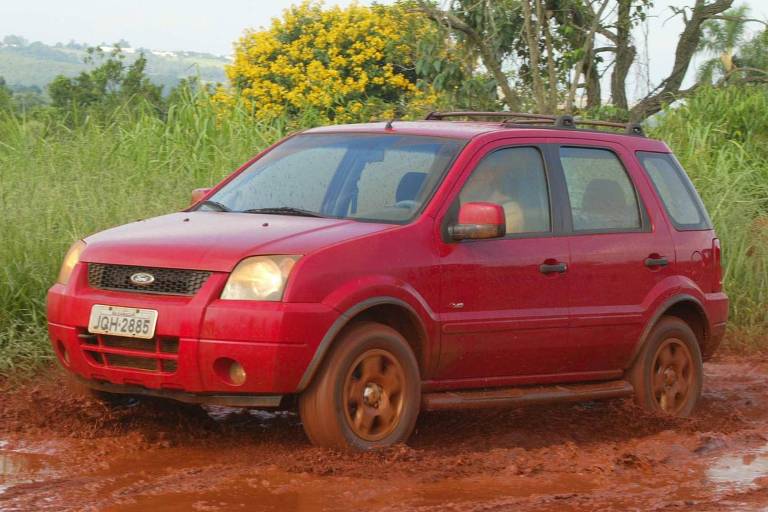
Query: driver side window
point(513, 178)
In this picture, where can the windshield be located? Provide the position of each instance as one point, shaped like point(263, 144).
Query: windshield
point(359, 176)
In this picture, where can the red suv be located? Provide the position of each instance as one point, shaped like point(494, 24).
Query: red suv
point(367, 272)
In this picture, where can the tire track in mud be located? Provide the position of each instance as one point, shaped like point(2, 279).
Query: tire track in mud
point(61, 450)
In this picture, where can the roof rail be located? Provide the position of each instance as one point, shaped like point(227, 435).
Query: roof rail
point(566, 122)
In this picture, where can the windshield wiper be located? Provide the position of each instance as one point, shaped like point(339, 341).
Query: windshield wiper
point(284, 210)
point(217, 205)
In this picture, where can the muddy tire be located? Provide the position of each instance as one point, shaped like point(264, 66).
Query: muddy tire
point(367, 392)
point(668, 374)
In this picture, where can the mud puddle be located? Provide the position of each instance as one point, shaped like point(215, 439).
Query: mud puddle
point(739, 471)
point(61, 451)
point(22, 466)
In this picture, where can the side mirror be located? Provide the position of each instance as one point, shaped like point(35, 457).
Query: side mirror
point(479, 220)
point(198, 194)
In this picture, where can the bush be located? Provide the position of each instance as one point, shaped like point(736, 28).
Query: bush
point(331, 65)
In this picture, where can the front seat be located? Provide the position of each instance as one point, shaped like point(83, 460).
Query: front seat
point(409, 187)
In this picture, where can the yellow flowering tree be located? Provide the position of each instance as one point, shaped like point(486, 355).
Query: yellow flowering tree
point(336, 64)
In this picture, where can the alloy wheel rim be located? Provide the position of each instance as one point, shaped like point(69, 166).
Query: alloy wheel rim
point(672, 378)
point(374, 395)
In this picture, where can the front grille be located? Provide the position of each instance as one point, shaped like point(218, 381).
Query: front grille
point(168, 281)
point(164, 345)
point(159, 354)
point(139, 344)
point(137, 363)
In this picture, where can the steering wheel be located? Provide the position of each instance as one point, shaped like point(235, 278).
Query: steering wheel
point(406, 203)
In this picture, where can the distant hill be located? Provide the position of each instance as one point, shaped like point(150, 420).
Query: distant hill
point(27, 65)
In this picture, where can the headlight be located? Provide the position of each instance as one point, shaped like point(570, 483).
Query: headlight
point(259, 278)
point(70, 260)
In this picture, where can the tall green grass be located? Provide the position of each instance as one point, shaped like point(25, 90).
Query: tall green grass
point(721, 138)
point(60, 183)
point(61, 180)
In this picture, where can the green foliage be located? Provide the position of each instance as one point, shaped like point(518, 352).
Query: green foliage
point(37, 64)
point(724, 147)
point(5, 96)
point(727, 41)
point(444, 67)
point(61, 183)
point(110, 84)
point(724, 35)
point(754, 53)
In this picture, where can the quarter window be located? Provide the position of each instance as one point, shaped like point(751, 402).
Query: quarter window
point(601, 195)
point(680, 199)
point(515, 179)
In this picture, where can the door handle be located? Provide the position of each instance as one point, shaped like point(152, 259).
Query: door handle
point(551, 268)
point(656, 262)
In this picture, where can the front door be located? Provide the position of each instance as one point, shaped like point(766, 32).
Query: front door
point(504, 308)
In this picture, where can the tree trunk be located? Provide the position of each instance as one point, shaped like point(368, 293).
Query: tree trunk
point(625, 54)
point(551, 70)
point(531, 35)
point(594, 90)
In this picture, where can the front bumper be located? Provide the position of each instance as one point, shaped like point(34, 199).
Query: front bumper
point(273, 342)
point(261, 401)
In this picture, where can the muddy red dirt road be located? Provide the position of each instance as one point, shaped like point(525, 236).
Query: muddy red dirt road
point(61, 451)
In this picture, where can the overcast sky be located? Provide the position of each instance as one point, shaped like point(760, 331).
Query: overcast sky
point(207, 26)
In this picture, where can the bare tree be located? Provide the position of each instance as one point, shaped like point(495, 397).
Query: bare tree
point(579, 23)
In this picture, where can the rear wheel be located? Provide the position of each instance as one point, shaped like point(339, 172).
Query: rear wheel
point(366, 394)
point(668, 373)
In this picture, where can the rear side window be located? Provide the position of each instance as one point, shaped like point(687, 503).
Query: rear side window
point(680, 199)
point(601, 195)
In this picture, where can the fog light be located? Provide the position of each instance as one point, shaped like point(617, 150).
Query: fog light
point(236, 373)
point(230, 371)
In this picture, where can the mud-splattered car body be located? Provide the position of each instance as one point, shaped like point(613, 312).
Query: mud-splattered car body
point(483, 300)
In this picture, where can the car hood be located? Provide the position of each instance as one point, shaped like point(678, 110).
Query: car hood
point(217, 241)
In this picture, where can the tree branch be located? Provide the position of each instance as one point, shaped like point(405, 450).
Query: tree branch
point(725, 17)
point(489, 58)
point(687, 45)
point(589, 41)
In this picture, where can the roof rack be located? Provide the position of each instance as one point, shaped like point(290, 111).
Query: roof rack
point(511, 119)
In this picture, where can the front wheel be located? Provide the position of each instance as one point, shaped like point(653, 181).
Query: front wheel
point(366, 394)
point(668, 373)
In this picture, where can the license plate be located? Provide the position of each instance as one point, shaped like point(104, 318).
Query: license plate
point(119, 321)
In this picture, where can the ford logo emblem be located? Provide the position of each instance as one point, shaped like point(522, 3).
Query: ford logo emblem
point(142, 279)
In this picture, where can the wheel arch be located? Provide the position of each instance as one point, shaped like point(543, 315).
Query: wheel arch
point(390, 311)
point(687, 308)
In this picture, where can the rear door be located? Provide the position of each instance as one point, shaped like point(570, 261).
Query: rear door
point(619, 248)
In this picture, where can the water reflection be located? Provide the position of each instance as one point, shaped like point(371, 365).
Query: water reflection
point(734, 472)
point(10, 466)
point(20, 466)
